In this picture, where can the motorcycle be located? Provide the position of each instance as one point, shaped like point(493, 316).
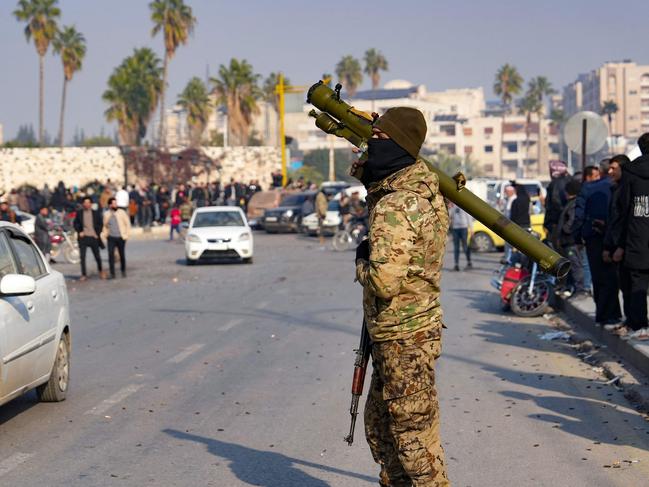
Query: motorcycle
point(524, 288)
point(350, 236)
point(64, 243)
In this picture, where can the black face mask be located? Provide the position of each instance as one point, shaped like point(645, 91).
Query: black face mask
point(384, 157)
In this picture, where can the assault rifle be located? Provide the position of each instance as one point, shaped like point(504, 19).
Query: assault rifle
point(360, 368)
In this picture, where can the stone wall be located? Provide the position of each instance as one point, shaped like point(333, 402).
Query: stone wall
point(79, 165)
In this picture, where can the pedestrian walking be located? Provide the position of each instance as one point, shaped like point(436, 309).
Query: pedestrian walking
point(176, 220)
point(591, 216)
point(116, 230)
point(630, 235)
point(461, 229)
point(399, 268)
point(88, 225)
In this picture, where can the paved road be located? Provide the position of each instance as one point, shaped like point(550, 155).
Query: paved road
point(236, 375)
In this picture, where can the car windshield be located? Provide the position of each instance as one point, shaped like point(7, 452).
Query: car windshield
point(293, 200)
point(218, 219)
point(334, 205)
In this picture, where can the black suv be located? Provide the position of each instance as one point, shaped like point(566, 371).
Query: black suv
point(288, 216)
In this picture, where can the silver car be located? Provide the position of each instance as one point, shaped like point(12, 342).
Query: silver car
point(34, 321)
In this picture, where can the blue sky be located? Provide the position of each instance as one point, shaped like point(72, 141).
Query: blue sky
point(441, 44)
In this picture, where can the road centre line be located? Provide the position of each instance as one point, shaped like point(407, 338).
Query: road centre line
point(231, 324)
point(13, 461)
point(176, 359)
point(116, 398)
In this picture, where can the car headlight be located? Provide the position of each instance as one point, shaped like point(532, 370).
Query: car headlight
point(193, 238)
point(288, 213)
point(244, 237)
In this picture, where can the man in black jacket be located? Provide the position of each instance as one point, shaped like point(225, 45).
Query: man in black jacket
point(556, 197)
point(630, 235)
point(88, 225)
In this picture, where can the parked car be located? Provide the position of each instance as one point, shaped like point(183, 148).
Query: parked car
point(259, 202)
point(218, 233)
point(485, 240)
point(331, 221)
point(27, 221)
point(288, 216)
point(34, 321)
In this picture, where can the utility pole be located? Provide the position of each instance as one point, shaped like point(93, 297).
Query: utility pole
point(282, 132)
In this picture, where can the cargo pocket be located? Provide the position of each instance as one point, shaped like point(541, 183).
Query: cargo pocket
point(406, 368)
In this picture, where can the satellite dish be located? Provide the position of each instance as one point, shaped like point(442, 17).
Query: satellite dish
point(596, 132)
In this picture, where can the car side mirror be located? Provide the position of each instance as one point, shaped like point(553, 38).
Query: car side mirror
point(17, 285)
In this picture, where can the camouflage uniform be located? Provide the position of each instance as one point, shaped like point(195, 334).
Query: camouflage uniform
point(401, 291)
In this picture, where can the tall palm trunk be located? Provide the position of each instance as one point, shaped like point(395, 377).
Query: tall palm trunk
point(163, 92)
point(41, 95)
point(61, 121)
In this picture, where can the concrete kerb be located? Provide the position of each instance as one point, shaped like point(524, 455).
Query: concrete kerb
point(152, 233)
point(632, 352)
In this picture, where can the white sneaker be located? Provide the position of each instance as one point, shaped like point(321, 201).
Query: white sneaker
point(613, 326)
point(641, 334)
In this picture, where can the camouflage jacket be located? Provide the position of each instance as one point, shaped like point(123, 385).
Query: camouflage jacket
point(401, 281)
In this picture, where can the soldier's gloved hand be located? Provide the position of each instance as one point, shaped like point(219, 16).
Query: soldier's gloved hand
point(363, 250)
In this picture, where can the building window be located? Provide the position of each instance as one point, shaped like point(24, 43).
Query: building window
point(448, 148)
point(447, 129)
point(511, 147)
point(644, 79)
point(453, 108)
point(488, 168)
point(489, 148)
point(468, 131)
point(468, 149)
point(488, 130)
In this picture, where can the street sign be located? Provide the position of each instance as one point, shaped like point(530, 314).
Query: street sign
point(585, 130)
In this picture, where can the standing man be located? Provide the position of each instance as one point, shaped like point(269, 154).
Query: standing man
point(116, 229)
point(321, 204)
point(399, 268)
point(555, 199)
point(462, 232)
point(122, 199)
point(88, 225)
point(591, 216)
point(631, 238)
point(42, 233)
point(6, 213)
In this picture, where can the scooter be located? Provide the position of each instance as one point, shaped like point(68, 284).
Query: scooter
point(524, 288)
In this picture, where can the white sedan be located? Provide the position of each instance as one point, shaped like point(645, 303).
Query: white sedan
point(218, 232)
point(331, 222)
point(27, 221)
point(34, 321)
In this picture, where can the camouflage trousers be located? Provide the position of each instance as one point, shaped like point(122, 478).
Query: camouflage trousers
point(402, 414)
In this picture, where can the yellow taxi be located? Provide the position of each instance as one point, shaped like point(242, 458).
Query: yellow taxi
point(485, 240)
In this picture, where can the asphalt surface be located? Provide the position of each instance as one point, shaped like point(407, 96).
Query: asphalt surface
point(237, 375)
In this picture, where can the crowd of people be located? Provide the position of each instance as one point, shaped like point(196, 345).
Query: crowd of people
point(101, 214)
point(599, 220)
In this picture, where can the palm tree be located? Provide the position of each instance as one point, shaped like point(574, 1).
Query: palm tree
point(195, 99)
point(349, 73)
point(507, 84)
point(528, 105)
point(40, 16)
point(269, 91)
point(176, 21)
point(609, 108)
point(374, 63)
point(236, 87)
point(133, 93)
point(542, 88)
point(71, 46)
point(557, 116)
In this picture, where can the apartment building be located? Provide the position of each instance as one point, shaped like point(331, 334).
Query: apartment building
point(625, 83)
point(502, 148)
